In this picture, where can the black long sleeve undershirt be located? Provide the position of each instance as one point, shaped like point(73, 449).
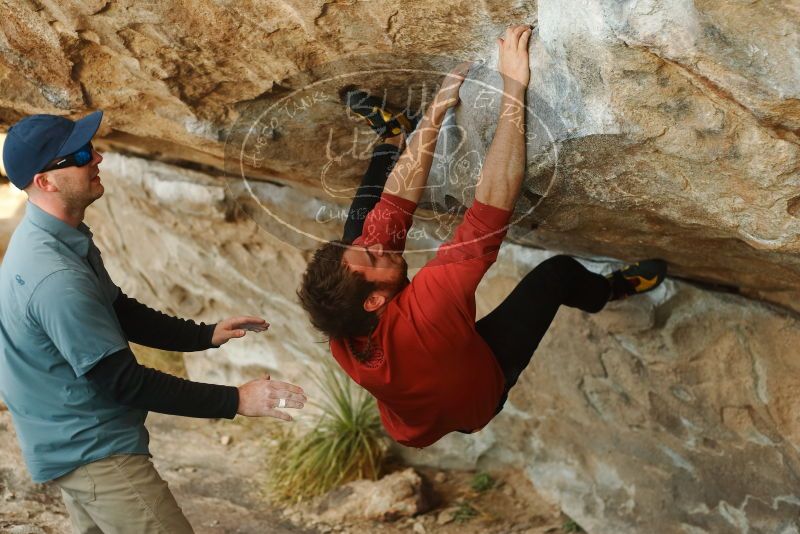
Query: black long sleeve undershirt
point(132, 384)
point(152, 328)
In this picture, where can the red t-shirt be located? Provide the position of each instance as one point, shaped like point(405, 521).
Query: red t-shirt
point(429, 370)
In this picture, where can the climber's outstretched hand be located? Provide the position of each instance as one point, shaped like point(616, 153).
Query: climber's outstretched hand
point(500, 182)
point(514, 63)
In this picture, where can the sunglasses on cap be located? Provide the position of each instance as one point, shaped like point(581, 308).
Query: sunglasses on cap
point(79, 158)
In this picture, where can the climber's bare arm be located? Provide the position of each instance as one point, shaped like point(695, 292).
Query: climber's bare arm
point(410, 175)
point(501, 177)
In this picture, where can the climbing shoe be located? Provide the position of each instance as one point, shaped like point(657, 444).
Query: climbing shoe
point(385, 122)
point(638, 278)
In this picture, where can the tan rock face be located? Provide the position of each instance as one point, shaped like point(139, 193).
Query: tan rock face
point(679, 426)
point(663, 114)
point(659, 128)
point(673, 412)
point(177, 73)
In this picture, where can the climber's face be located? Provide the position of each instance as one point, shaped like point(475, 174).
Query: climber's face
point(388, 270)
point(376, 264)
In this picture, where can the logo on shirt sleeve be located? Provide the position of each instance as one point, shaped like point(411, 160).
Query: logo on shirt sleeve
point(376, 358)
point(19, 280)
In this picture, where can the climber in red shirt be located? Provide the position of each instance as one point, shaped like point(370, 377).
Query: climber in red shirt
point(415, 345)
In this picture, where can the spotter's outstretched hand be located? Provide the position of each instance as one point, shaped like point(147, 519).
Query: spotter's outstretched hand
point(262, 397)
point(228, 329)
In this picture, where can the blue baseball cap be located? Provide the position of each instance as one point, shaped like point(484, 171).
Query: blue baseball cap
point(37, 140)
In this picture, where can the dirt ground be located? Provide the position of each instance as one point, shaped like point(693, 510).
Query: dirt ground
point(216, 470)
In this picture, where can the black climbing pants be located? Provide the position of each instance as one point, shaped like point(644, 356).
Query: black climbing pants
point(515, 328)
point(369, 192)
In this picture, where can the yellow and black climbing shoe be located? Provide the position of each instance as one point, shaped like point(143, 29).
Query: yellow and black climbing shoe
point(385, 122)
point(638, 278)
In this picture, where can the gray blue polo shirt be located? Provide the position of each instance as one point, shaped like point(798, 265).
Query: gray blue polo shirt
point(57, 321)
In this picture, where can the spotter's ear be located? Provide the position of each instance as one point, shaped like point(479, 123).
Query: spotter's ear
point(43, 182)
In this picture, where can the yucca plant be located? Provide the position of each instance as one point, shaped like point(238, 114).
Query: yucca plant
point(346, 443)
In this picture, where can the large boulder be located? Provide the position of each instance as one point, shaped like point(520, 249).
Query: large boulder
point(660, 129)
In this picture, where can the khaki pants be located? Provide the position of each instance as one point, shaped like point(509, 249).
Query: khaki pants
point(121, 494)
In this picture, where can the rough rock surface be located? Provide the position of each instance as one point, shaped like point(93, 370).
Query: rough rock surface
point(401, 494)
point(659, 127)
point(676, 412)
point(676, 130)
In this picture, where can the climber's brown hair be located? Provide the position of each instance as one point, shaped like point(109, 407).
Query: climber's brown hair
point(333, 295)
